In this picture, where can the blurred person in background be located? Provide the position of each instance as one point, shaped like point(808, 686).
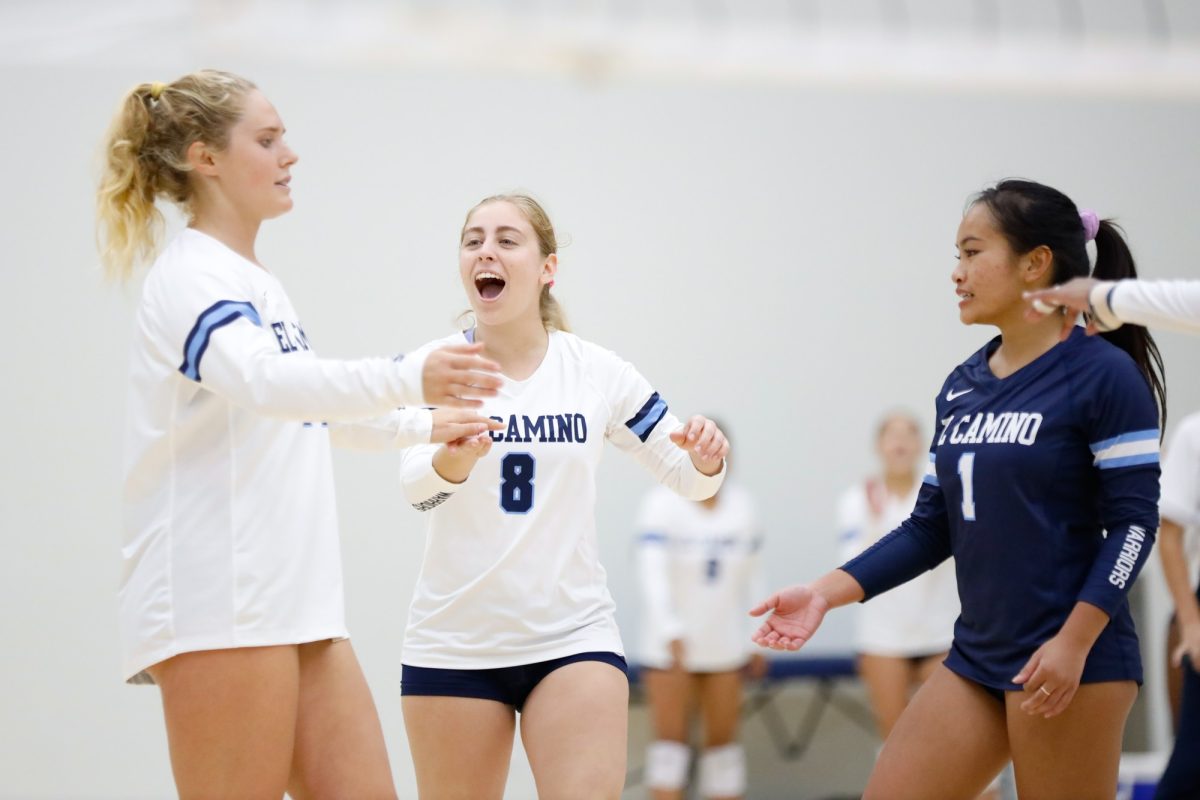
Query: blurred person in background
point(698, 564)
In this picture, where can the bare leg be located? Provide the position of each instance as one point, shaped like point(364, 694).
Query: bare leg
point(888, 680)
point(575, 729)
point(721, 709)
point(949, 743)
point(339, 749)
point(670, 694)
point(461, 746)
point(1075, 754)
point(231, 720)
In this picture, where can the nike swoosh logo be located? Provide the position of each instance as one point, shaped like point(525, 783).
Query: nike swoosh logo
point(951, 394)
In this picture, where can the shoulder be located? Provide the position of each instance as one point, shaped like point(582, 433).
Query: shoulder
point(1094, 360)
point(592, 354)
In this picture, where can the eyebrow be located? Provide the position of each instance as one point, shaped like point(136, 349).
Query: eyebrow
point(272, 129)
point(478, 229)
point(966, 239)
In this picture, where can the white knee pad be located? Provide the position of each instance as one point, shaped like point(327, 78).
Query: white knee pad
point(667, 765)
point(723, 771)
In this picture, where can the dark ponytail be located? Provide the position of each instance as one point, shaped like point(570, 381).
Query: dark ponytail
point(1031, 214)
point(1114, 262)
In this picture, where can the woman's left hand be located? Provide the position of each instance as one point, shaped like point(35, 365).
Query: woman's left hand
point(1051, 676)
point(704, 442)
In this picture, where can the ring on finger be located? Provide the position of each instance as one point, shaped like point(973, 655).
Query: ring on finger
point(1044, 690)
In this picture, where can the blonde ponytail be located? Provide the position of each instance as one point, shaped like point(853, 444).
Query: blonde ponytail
point(145, 157)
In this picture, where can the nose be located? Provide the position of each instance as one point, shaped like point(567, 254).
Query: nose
point(288, 157)
point(958, 274)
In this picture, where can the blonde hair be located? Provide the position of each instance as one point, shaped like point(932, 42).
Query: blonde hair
point(553, 316)
point(145, 157)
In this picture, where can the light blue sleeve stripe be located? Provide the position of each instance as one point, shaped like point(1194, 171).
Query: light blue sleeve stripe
point(1133, 436)
point(652, 537)
point(215, 317)
point(1127, 461)
point(651, 419)
point(931, 480)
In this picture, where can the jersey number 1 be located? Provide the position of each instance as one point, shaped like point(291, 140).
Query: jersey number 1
point(966, 473)
point(516, 483)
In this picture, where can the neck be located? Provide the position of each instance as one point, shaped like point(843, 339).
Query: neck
point(1021, 342)
point(709, 503)
point(899, 483)
point(231, 229)
point(518, 346)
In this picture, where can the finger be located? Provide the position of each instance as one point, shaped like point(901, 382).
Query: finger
point(464, 386)
point(449, 400)
point(679, 438)
point(718, 448)
point(1062, 699)
point(1030, 667)
point(1177, 655)
point(765, 606)
point(1039, 699)
point(694, 427)
point(472, 362)
point(704, 438)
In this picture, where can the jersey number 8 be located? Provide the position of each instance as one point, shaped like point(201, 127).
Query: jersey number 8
point(516, 483)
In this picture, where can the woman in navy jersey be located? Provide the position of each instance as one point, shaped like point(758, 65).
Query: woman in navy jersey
point(1041, 447)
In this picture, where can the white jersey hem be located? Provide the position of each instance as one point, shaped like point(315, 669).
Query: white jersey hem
point(135, 667)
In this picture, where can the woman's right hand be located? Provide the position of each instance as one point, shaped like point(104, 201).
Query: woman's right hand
point(455, 460)
point(1189, 645)
point(796, 613)
point(458, 375)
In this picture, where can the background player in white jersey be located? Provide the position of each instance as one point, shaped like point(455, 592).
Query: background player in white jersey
point(699, 565)
point(899, 642)
point(511, 612)
point(1043, 485)
point(1180, 506)
point(231, 598)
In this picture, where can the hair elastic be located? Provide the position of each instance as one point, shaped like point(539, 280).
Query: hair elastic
point(156, 89)
point(1091, 224)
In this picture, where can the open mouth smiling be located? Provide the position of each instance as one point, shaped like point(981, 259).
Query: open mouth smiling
point(489, 285)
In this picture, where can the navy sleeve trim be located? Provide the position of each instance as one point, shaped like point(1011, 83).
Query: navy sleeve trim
point(642, 423)
point(214, 317)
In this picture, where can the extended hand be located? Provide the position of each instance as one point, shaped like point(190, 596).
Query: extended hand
point(452, 424)
point(1072, 296)
point(458, 375)
point(796, 613)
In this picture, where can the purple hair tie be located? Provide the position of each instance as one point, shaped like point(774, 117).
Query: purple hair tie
point(1091, 224)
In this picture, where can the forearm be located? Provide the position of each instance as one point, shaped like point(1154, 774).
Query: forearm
point(401, 428)
point(453, 467)
point(1084, 625)
point(838, 588)
point(1168, 304)
point(1174, 564)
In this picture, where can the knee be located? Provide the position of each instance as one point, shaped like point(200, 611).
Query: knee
point(723, 771)
point(667, 765)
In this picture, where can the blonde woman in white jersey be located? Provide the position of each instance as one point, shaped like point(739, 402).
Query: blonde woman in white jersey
point(511, 614)
point(697, 564)
point(902, 640)
point(231, 598)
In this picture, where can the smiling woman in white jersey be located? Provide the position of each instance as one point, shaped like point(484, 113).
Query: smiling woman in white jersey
point(231, 598)
point(511, 612)
point(1043, 485)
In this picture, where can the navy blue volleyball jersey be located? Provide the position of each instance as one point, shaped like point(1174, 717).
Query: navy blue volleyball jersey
point(1026, 474)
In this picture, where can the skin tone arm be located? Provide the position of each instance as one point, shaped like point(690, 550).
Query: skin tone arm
point(797, 612)
point(1187, 610)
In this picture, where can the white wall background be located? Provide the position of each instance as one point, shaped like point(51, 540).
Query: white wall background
point(773, 252)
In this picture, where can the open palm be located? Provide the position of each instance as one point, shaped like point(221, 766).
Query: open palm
point(796, 613)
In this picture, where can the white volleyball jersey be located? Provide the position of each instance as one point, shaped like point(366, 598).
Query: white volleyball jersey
point(700, 572)
point(230, 530)
point(1179, 500)
point(1161, 304)
point(511, 573)
point(915, 618)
